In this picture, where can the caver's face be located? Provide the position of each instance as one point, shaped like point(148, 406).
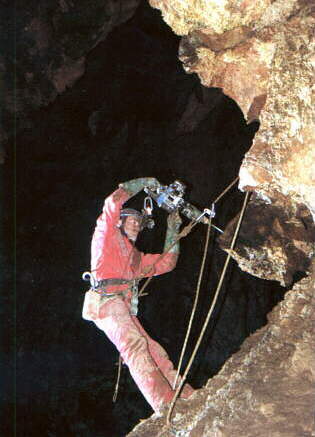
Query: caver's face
point(132, 226)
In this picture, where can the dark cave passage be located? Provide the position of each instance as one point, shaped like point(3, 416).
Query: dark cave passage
point(134, 113)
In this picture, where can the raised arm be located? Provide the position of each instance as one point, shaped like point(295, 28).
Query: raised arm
point(134, 186)
point(107, 221)
point(126, 190)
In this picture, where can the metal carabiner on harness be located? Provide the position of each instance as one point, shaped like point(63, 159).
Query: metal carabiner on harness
point(134, 298)
point(88, 276)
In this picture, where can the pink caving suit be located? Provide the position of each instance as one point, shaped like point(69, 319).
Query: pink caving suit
point(114, 256)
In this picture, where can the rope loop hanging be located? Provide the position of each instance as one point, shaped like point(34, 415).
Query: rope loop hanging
point(183, 379)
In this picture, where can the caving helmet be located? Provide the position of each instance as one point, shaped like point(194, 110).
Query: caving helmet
point(127, 212)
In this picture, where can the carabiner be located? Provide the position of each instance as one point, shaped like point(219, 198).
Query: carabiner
point(88, 276)
point(148, 205)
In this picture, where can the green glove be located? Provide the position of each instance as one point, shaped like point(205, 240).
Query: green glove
point(134, 186)
point(173, 224)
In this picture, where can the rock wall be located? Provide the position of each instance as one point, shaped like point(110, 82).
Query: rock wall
point(262, 55)
point(276, 240)
point(267, 388)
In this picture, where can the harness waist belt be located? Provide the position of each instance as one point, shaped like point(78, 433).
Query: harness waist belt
point(114, 281)
point(133, 283)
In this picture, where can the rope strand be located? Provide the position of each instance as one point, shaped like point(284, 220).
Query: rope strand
point(195, 304)
point(227, 189)
point(186, 230)
point(118, 379)
point(168, 418)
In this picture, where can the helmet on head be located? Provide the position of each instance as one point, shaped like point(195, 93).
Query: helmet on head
point(130, 212)
point(126, 212)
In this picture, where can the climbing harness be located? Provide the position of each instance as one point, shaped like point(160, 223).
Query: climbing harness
point(100, 287)
point(88, 276)
point(183, 379)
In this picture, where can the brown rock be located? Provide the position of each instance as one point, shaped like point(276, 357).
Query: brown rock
point(282, 157)
point(267, 388)
point(276, 239)
point(262, 56)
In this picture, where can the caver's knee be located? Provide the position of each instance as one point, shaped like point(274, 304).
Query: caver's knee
point(136, 355)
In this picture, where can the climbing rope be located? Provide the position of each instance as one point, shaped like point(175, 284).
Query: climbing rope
point(187, 229)
point(227, 189)
point(118, 379)
point(168, 418)
point(192, 315)
point(199, 283)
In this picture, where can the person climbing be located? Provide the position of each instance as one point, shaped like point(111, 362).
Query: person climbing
point(111, 303)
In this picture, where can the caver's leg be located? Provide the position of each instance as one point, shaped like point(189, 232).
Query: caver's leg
point(120, 327)
point(163, 362)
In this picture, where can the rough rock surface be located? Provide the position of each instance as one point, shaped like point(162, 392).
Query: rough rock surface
point(49, 49)
point(267, 388)
point(276, 240)
point(262, 55)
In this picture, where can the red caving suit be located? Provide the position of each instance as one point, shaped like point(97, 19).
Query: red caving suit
point(114, 256)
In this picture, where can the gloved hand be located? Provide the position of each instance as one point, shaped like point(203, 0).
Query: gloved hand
point(174, 221)
point(134, 186)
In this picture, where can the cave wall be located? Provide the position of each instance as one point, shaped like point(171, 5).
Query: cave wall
point(133, 112)
point(267, 388)
point(262, 56)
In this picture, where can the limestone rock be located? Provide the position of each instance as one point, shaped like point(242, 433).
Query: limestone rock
point(282, 157)
point(261, 55)
point(267, 388)
point(276, 240)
